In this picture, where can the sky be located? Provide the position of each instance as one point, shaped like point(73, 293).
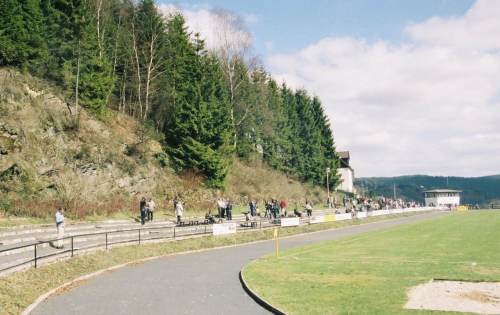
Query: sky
point(410, 87)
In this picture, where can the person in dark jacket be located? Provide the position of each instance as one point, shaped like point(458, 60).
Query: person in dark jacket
point(142, 208)
point(229, 210)
point(253, 208)
point(274, 208)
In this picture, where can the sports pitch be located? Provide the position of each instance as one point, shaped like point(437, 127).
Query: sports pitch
point(371, 273)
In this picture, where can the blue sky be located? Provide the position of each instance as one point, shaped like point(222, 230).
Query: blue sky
point(294, 24)
point(410, 87)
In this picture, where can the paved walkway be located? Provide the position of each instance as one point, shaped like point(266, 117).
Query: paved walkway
point(17, 244)
point(196, 283)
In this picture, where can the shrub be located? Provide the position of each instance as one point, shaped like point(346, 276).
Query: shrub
point(162, 158)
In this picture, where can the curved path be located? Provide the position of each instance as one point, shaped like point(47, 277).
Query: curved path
point(195, 283)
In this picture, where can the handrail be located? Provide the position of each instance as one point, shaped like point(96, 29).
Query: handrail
point(140, 238)
point(174, 233)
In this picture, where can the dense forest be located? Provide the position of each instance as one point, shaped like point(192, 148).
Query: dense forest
point(208, 107)
point(475, 190)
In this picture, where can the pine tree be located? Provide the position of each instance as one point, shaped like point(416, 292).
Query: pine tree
point(96, 80)
point(198, 131)
point(21, 35)
point(62, 21)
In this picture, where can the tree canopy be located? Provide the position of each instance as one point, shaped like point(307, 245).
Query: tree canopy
point(125, 55)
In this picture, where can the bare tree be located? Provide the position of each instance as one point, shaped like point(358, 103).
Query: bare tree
point(233, 43)
point(154, 63)
point(98, 8)
point(137, 65)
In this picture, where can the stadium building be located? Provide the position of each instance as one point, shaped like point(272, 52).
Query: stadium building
point(346, 172)
point(442, 197)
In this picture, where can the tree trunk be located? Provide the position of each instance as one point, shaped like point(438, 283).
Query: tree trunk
point(138, 69)
point(77, 85)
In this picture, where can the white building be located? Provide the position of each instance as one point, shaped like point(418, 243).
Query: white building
point(442, 197)
point(346, 173)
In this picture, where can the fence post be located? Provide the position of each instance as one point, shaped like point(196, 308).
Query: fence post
point(106, 240)
point(72, 247)
point(139, 236)
point(205, 229)
point(35, 257)
point(174, 232)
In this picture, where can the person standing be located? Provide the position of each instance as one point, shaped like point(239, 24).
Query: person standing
point(283, 207)
point(179, 209)
point(60, 227)
point(220, 207)
point(142, 208)
point(309, 208)
point(223, 208)
point(229, 210)
point(151, 209)
point(253, 208)
point(278, 208)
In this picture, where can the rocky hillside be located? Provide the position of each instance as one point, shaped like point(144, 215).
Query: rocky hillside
point(101, 166)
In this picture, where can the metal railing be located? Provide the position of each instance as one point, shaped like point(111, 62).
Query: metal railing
point(134, 235)
point(43, 250)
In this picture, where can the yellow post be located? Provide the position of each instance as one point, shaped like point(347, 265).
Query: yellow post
point(276, 239)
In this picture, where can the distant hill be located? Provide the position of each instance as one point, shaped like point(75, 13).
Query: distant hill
point(481, 190)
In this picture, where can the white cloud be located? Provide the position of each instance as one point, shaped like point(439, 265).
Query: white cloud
point(478, 28)
point(215, 25)
point(430, 105)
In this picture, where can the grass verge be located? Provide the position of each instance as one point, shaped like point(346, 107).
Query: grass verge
point(19, 290)
point(370, 273)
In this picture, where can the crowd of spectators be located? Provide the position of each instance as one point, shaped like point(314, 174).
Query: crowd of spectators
point(379, 203)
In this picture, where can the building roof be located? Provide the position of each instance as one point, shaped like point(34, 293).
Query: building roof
point(443, 191)
point(343, 154)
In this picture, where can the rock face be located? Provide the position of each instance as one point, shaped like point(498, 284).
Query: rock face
point(12, 173)
point(43, 158)
point(7, 131)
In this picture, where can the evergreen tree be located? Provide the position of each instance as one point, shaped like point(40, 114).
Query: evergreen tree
point(198, 131)
point(62, 22)
point(21, 35)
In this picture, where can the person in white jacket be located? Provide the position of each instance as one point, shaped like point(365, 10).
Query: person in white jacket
point(60, 227)
point(179, 209)
point(151, 207)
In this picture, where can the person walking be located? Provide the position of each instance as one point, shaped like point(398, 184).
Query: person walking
point(142, 208)
point(151, 209)
point(60, 227)
point(179, 209)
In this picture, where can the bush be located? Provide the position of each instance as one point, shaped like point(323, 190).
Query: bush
point(5, 205)
point(162, 158)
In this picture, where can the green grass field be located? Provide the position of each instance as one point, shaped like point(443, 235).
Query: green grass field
point(371, 273)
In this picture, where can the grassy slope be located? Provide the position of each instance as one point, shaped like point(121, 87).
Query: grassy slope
point(92, 172)
point(19, 290)
point(370, 273)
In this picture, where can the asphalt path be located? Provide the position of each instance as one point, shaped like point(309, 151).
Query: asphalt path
point(195, 283)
